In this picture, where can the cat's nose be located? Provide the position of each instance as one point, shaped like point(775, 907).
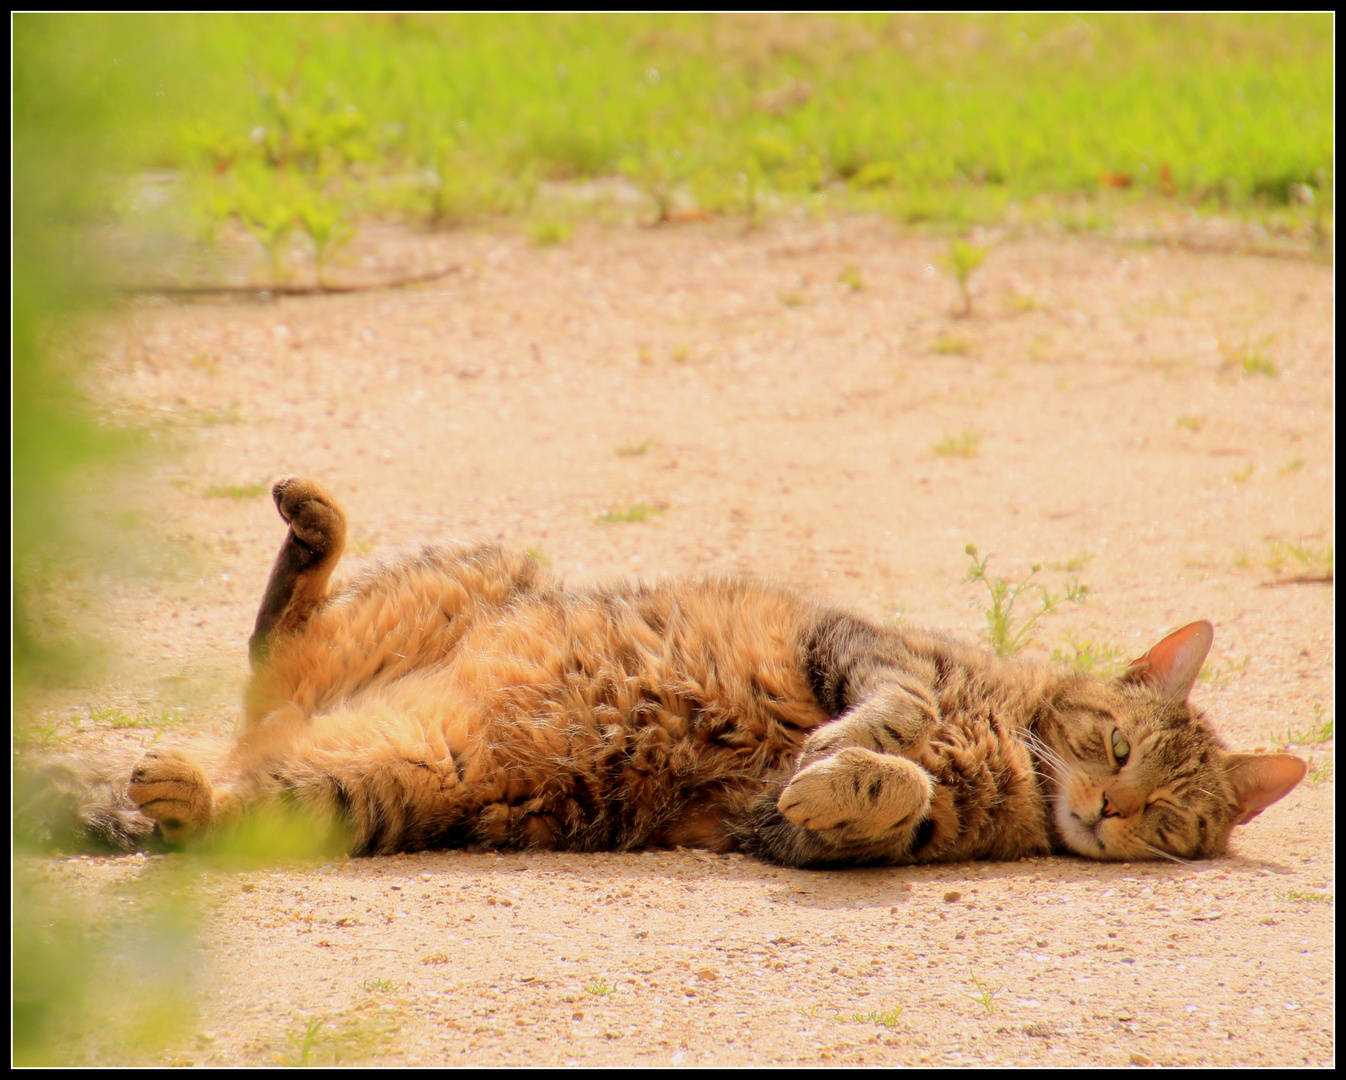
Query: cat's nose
point(1110, 808)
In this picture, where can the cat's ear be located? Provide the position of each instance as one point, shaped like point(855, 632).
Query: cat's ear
point(1173, 664)
point(1261, 779)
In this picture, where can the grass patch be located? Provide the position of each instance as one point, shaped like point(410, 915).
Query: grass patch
point(964, 444)
point(1305, 896)
point(635, 449)
point(1243, 475)
point(852, 279)
point(1192, 423)
point(237, 491)
point(881, 1019)
point(538, 556)
point(1291, 467)
point(1320, 732)
point(546, 232)
point(1091, 658)
point(948, 345)
point(1245, 359)
point(301, 124)
point(43, 733)
point(119, 721)
point(1300, 558)
point(1217, 674)
point(635, 512)
point(1005, 634)
point(601, 988)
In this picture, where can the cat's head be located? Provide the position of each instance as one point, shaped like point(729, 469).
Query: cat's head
point(1136, 773)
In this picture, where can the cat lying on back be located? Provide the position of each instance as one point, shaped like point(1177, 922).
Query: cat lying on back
point(460, 696)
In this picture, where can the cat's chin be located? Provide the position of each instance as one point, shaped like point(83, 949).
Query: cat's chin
point(1076, 835)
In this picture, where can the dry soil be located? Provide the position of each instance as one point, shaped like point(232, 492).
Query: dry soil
point(782, 401)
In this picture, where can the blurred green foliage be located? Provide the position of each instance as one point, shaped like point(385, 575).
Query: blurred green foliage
point(434, 115)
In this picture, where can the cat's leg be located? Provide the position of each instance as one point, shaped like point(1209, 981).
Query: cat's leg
point(172, 790)
point(856, 795)
point(311, 549)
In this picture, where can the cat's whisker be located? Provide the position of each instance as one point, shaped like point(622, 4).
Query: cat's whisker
point(1165, 854)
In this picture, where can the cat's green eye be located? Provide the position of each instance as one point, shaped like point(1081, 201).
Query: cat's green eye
point(1121, 749)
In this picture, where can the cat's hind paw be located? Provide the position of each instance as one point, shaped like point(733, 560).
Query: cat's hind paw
point(171, 789)
point(311, 511)
point(864, 794)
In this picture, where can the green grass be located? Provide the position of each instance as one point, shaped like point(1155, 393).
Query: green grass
point(635, 449)
point(1091, 658)
point(984, 997)
point(635, 512)
point(236, 491)
point(1245, 358)
point(1218, 673)
point(1283, 555)
point(1315, 735)
point(962, 261)
point(302, 123)
point(1006, 633)
point(1192, 423)
point(1303, 896)
point(964, 444)
point(948, 345)
point(601, 988)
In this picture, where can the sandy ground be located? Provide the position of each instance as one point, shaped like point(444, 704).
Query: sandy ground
point(782, 420)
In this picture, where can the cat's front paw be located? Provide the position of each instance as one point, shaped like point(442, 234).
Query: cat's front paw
point(858, 791)
point(171, 789)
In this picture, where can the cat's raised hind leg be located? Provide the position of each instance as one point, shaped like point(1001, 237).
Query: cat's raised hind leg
point(311, 549)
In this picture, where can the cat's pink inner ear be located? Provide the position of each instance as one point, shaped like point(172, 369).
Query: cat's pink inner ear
point(1261, 779)
point(1175, 662)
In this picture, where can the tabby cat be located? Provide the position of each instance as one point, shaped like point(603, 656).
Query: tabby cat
point(461, 696)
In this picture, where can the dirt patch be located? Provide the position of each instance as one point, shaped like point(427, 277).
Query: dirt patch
point(797, 402)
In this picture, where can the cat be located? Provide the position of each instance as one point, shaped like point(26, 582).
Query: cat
point(460, 696)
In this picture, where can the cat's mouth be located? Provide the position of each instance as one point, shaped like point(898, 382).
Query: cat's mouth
point(1080, 836)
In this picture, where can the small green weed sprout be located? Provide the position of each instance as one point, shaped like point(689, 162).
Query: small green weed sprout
point(547, 232)
point(964, 444)
point(1304, 896)
point(1004, 636)
point(328, 230)
point(962, 260)
point(850, 277)
point(1216, 675)
point(236, 491)
point(1243, 475)
point(882, 1019)
point(1314, 735)
point(303, 1044)
point(538, 556)
point(948, 345)
point(43, 733)
point(1090, 658)
point(635, 449)
point(1191, 423)
point(1291, 467)
point(600, 988)
point(378, 986)
point(790, 299)
point(1320, 773)
point(635, 512)
point(118, 720)
point(1243, 359)
point(1072, 565)
point(984, 997)
point(1305, 559)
